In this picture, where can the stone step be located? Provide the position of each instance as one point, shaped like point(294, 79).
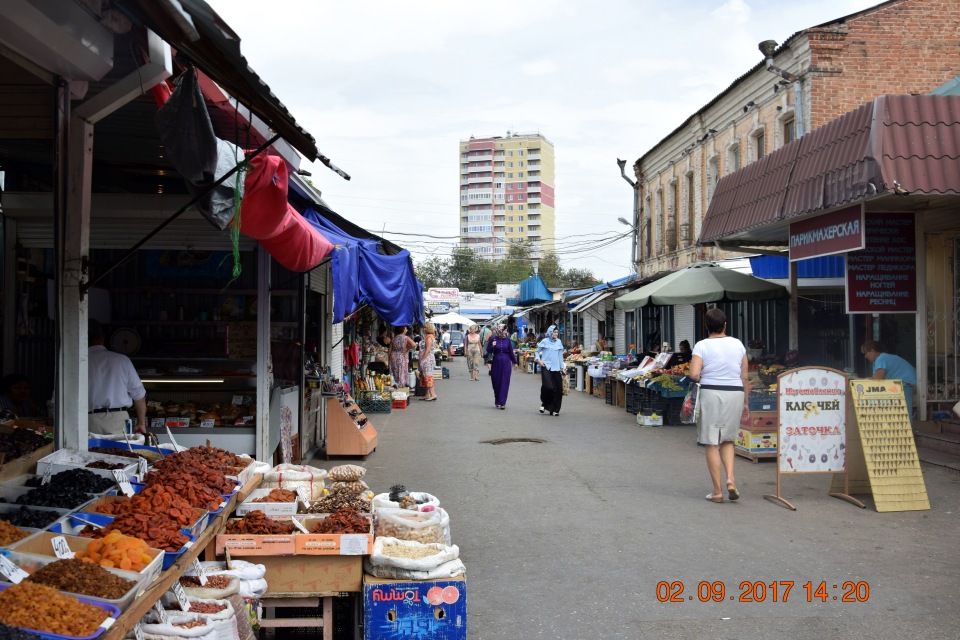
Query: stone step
point(948, 443)
point(939, 458)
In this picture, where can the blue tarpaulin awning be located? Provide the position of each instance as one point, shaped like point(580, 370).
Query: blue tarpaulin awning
point(362, 274)
point(534, 290)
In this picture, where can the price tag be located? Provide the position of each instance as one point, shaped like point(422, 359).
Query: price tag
point(299, 525)
point(237, 401)
point(161, 612)
point(198, 569)
point(61, 548)
point(181, 596)
point(141, 467)
point(303, 496)
point(176, 447)
point(226, 552)
point(12, 572)
point(207, 423)
point(47, 474)
point(138, 632)
point(123, 482)
point(158, 423)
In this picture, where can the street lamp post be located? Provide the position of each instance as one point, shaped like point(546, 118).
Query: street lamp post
point(634, 244)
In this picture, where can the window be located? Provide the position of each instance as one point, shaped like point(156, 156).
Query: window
point(509, 175)
point(733, 158)
point(521, 229)
point(659, 222)
point(520, 153)
point(520, 207)
point(672, 226)
point(510, 198)
point(520, 218)
point(519, 164)
point(713, 173)
point(789, 130)
point(510, 153)
point(509, 229)
point(509, 218)
point(510, 165)
point(498, 185)
point(648, 226)
point(759, 144)
point(687, 229)
point(509, 207)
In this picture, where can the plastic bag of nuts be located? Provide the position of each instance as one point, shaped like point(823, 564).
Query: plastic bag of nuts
point(346, 473)
point(404, 524)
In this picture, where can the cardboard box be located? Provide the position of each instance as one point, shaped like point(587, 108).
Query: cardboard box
point(268, 508)
point(756, 441)
point(312, 574)
point(322, 544)
point(655, 420)
point(423, 609)
point(252, 545)
point(24, 464)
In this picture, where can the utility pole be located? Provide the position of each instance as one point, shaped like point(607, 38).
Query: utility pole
point(634, 244)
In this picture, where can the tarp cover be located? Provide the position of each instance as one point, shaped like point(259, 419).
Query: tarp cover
point(533, 290)
point(361, 274)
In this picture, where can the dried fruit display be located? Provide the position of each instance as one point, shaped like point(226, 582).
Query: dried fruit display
point(343, 521)
point(37, 606)
point(336, 501)
point(257, 523)
point(117, 550)
point(27, 517)
point(156, 498)
point(191, 624)
point(12, 633)
point(278, 495)
point(156, 529)
point(346, 473)
point(10, 534)
point(195, 607)
point(103, 464)
point(218, 458)
point(85, 578)
point(20, 443)
point(197, 493)
point(183, 464)
point(59, 496)
point(82, 479)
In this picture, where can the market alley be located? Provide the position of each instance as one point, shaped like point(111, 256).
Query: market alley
point(569, 537)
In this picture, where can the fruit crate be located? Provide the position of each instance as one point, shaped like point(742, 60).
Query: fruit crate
point(371, 402)
point(671, 411)
point(399, 404)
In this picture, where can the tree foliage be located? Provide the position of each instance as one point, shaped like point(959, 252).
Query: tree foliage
point(468, 272)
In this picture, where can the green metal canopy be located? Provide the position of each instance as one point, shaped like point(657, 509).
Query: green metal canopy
point(701, 282)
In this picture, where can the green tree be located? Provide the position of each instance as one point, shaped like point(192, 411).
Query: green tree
point(578, 278)
point(550, 270)
point(516, 266)
point(462, 270)
point(433, 272)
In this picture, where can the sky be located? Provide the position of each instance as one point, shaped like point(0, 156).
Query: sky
point(390, 88)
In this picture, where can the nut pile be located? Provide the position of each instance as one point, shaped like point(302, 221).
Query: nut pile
point(417, 532)
point(346, 473)
point(333, 502)
point(191, 624)
point(37, 606)
point(78, 576)
point(213, 582)
point(197, 607)
point(258, 524)
point(406, 551)
point(343, 521)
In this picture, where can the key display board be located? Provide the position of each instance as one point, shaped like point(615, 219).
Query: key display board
point(812, 407)
point(896, 480)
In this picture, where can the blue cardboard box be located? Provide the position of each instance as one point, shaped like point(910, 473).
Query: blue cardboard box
point(422, 609)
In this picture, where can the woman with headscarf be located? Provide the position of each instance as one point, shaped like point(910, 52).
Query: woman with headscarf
point(501, 347)
point(550, 358)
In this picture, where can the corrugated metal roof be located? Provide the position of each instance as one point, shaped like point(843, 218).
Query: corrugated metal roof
point(904, 142)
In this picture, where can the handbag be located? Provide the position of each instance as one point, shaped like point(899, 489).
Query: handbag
point(689, 410)
point(566, 382)
point(488, 359)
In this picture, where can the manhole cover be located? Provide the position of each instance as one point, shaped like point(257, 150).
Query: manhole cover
point(512, 440)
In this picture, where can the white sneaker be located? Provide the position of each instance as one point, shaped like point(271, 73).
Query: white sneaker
point(541, 408)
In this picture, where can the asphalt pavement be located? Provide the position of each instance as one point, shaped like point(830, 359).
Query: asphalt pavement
point(595, 528)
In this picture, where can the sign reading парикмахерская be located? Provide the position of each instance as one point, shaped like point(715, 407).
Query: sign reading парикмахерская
point(835, 232)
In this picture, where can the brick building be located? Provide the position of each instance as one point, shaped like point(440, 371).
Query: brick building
point(820, 73)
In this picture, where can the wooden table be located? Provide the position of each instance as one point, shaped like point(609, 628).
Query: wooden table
point(129, 618)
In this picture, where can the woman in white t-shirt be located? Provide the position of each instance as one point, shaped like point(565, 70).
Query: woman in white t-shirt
point(719, 364)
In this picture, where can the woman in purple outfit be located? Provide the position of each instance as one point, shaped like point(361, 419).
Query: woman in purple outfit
point(501, 347)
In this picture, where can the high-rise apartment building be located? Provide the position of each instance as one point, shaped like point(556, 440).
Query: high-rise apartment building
point(507, 194)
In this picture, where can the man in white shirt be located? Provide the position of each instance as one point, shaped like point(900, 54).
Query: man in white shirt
point(113, 385)
point(446, 339)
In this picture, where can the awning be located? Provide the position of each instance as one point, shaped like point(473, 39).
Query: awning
point(534, 289)
point(362, 274)
point(524, 312)
point(198, 33)
point(904, 145)
point(591, 300)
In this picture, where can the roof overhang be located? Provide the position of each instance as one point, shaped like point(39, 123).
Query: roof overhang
point(894, 153)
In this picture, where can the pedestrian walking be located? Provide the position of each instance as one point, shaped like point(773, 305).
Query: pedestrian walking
point(428, 361)
point(719, 364)
point(501, 347)
point(399, 360)
point(474, 352)
point(550, 358)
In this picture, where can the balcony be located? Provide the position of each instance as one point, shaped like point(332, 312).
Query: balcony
point(533, 155)
point(479, 179)
point(533, 199)
point(533, 188)
point(533, 233)
point(483, 168)
point(480, 158)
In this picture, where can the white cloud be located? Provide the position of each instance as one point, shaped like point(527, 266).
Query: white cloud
point(539, 68)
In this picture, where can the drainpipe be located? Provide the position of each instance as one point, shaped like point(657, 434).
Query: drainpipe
point(767, 48)
point(635, 244)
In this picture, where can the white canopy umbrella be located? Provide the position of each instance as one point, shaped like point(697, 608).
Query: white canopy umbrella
point(452, 318)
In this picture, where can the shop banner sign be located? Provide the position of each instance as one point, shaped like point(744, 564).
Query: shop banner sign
point(813, 421)
point(837, 232)
point(450, 294)
point(882, 277)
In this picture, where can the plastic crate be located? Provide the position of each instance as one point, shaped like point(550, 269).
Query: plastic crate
point(762, 401)
point(399, 404)
point(671, 411)
point(371, 402)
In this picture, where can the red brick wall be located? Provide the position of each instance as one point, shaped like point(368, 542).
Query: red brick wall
point(912, 46)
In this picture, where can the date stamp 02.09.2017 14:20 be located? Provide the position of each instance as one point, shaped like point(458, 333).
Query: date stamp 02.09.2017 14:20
point(678, 591)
